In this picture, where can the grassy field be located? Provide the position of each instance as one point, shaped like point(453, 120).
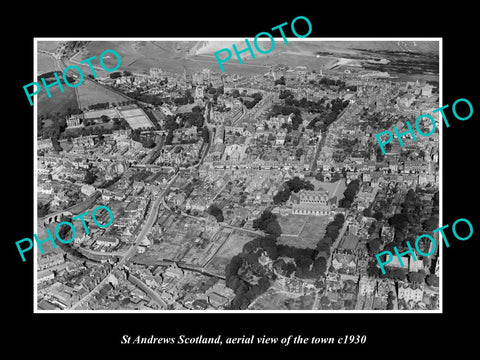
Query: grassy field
point(45, 63)
point(59, 102)
point(291, 224)
point(306, 230)
point(47, 45)
point(140, 56)
point(91, 93)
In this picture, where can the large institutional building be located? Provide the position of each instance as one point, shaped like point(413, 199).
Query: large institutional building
point(309, 202)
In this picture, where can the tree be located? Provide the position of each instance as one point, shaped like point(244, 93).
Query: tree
point(216, 212)
point(336, 176)
point(416, 277)
point(169, 138)
point(205, 134)
point(373, 246)
point(398, 221)
point(268, 223)
point(373, 270)
point(367, 212)
point(349, 193)
point(319, 175)
point(280, 81)
point(378, 215)
point(89, 177)
point(432, 280)
point(430, 224)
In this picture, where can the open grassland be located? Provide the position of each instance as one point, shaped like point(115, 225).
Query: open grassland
point(301, 231)
point(59, 102)
point(45, 63)
point(91, 93)
point(49, 46)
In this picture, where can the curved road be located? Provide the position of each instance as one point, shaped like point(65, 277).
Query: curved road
point(133, 249)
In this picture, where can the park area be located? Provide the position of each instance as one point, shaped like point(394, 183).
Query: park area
point(302, 231)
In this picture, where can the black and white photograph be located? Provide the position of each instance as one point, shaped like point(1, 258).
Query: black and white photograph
point(261, 187)
point(216, 179)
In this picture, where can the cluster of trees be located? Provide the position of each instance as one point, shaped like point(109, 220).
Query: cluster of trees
point(331, 233)
point(55, 130)
point(214, 91)
point(244, 292)
point(280, 81)
point(99, 106)
point(373, 246)
point(328, 115)
point(189, 119)
point(340, 83)
point(306, 105)
point(391, 273)
point(268, 223)
point(391, 297)
point(205, 134)
point(150, 98)
point(432, 280)
point(417, 276)
point(43, 209)
point(193, 118)
point(349, 193)
point(283, 110)
point(407, 223)
point(250, 104)
point(115, 75)
point(216, 212)
point(306, 263)
point(295, 184)
point(146, 141)
point(285, 94)
point(49, 77)
point(90, 177)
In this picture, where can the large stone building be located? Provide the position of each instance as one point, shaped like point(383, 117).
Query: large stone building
point(309, 202)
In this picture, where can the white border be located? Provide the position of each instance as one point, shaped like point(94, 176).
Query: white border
point(35, 109)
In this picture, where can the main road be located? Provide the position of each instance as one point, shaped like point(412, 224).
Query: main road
point(133, 248)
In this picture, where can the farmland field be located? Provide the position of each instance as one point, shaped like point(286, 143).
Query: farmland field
point(59, 102)
point(47, 45)
point(45, 63)
point(91, 93)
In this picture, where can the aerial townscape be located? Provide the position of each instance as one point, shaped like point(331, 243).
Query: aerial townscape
point(258, 188)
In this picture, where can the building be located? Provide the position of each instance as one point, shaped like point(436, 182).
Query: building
point(409, 292)
point(344, 263)
point(309, 202)
point(219, 135)
point(44, 276)
point(406, 100)
point(199, 92)
point(50, 260)
point(156, 73)
point(74, 121)
point(366, 286)
point(88, 189)
point(107, 241)
point(45, 144)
